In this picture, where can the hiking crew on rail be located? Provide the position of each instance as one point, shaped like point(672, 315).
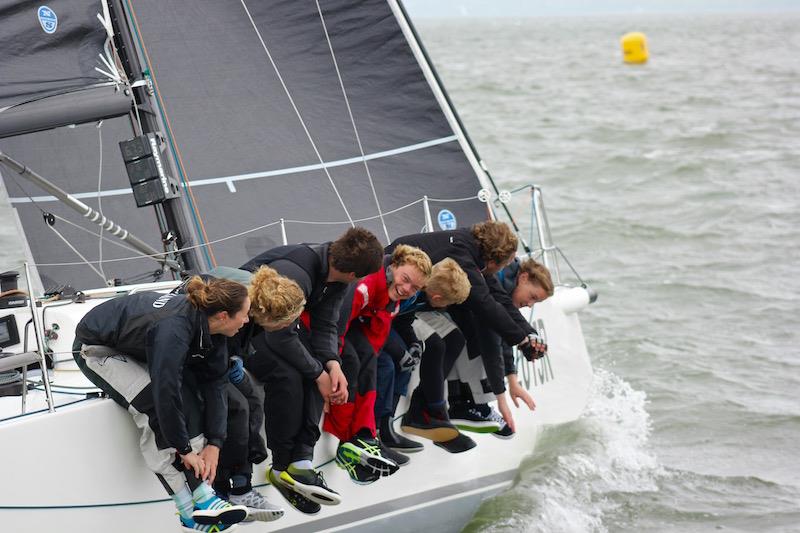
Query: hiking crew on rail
point(325, 316)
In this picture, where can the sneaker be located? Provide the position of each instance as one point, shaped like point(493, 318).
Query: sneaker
point(190, 526)
point(299, 502)
point(258, 507)
point(426, 423)
point(393, 455)
point(473, 417)
point(359, 474)
point(367, 453)
point(216, 510)
point(310, 484)
point(505, 432)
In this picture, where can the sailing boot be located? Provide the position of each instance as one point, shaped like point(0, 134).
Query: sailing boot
point(390, 439)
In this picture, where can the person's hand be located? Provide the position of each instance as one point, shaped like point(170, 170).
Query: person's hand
point(210, 457)
point(236, 370)
point(325, 387)
point(533, 347)
point(412, 357)
point(518, 392)
point(195, 463)
point(338, 383)
point(505, 412)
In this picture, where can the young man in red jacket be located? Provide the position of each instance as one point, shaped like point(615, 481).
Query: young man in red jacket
point(365, 320)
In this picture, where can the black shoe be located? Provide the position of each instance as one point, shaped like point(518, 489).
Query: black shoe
point(390, 439)
point(422, 421)
point(394, 455)
point(476, 418)
point(295, 499)
point(505, 432)
point(459, 444)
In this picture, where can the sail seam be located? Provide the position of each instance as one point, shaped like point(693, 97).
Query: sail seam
point(296, 110)
point(257, 175)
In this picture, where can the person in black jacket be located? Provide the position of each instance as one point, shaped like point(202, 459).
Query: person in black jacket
point(482, 251)
point(523, 283)
point(298, 360)
point(163, 357)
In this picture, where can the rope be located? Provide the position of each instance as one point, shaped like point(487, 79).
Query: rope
point(297, 112)
point(85, 261)
point(353, 122)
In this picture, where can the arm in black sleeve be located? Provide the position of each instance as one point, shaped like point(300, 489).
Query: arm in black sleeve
point(490, 313)
point(213, 383)
point(286, 344)
point(503, 298)
point(508, 359)
point(325, 324)
point(167, 347)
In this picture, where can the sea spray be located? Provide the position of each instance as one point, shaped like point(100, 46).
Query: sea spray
point(571, 481)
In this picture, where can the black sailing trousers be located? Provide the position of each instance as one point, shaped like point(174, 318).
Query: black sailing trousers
point(292, 405)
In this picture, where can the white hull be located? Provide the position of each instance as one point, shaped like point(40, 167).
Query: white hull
point(79, 470)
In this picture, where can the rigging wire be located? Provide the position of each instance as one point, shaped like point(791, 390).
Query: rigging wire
point(297, 112)
point(353, 122)
point(99, 198)
point(85, 261)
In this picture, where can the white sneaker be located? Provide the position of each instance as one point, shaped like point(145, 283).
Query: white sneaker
point(258, 507)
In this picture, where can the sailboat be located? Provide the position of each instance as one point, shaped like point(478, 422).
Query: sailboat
point(142, 139)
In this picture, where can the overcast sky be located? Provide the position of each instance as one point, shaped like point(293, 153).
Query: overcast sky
point(517, 8)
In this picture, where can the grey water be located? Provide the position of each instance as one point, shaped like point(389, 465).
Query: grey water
point(674, 189)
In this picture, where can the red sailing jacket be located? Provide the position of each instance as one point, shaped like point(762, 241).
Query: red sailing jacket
point(371, 310)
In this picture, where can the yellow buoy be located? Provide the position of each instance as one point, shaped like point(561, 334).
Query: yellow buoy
point(634, 47)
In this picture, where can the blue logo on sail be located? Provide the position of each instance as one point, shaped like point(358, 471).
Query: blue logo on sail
point(48, 19)
point(447, 220)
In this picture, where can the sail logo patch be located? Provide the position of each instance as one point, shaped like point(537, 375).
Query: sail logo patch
point(446, 219)
point(48, 19)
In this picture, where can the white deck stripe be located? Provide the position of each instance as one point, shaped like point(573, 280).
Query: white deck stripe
point(229, 180)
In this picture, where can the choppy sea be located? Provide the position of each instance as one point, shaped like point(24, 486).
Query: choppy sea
point(674, 188)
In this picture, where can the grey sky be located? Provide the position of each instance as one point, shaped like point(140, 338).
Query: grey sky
point(517, 8)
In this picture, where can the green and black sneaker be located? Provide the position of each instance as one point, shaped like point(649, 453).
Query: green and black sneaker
point(311, 484)
point(295, 499)
point(366, 452)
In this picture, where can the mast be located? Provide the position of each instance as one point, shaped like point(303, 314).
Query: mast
point(176, 230)
point(478, 165)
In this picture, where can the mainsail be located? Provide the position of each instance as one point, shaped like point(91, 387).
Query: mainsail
point(283, 117)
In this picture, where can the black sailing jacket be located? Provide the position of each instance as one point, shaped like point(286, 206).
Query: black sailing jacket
point(170, 335)
point(485, 298)
point(487, 306)
point(307, 264)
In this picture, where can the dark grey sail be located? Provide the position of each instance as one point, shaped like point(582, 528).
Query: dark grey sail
point(319, 114)
point(48, 73)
